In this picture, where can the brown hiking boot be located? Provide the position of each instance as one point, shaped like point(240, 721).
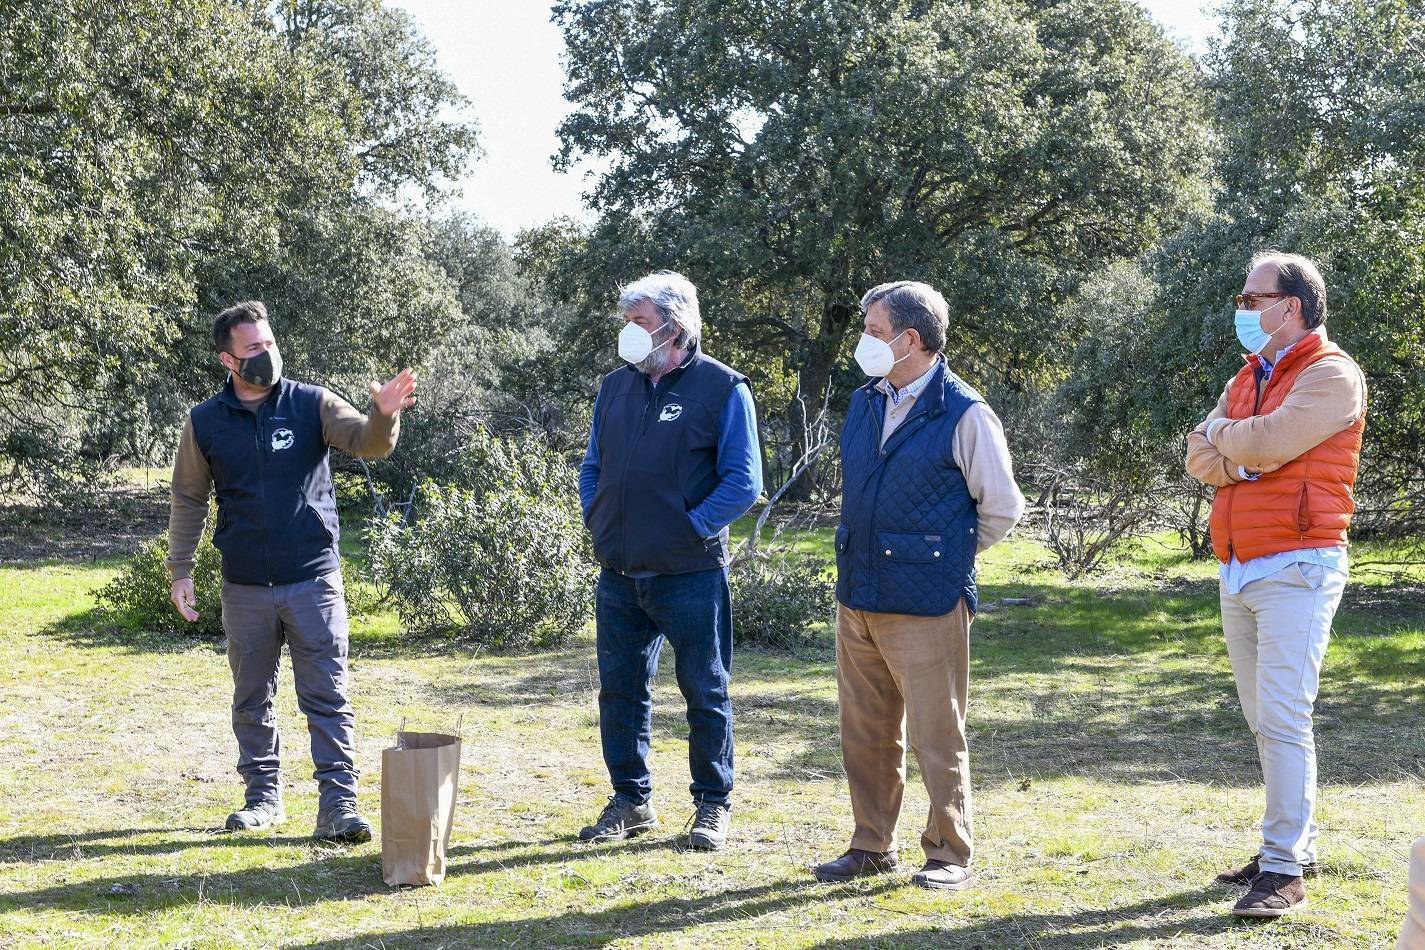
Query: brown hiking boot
point(1246, 874)
point(853, 864)
point(1272, 895)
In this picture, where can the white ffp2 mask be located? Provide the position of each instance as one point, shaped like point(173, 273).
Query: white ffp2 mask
point(635, 343)
point(875, 357)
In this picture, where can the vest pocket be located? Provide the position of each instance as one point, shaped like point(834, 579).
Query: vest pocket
point(323, 529)
point(1303, 510)
point(912, 548)
point(843, 538)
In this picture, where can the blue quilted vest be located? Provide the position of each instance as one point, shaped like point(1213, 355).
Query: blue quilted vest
point(277, 518)
point(906, 542)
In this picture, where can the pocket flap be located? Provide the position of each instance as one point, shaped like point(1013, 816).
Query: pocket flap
point(915, 548)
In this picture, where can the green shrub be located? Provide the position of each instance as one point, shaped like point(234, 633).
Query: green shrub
point(777, 596)
point(504, 563)
point(138, 598)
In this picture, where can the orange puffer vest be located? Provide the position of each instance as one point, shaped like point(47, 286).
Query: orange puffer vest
point(1307, 503)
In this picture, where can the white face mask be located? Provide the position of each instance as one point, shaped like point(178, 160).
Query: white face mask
point(635, 343)
point(875, 357)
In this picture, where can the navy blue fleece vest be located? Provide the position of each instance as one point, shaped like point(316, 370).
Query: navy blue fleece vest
point(906, 542)
point(657, 462)
point(277, 520)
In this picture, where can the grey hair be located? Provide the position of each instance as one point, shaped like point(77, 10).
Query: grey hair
point(913, 306)
point(676, 299)
point(1297, 277)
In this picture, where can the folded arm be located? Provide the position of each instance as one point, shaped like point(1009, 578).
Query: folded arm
point(1204, 462)
point(1327, 397)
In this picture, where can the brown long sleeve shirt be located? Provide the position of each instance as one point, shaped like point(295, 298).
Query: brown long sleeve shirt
point(343, 427)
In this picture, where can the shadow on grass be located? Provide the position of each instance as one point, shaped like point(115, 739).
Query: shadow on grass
point(740, 907)
point(92, 628)
point(1111, 927)
point(332, 874)
point(82, 846)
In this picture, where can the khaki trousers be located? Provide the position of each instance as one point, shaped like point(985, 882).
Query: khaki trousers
point(891, 668)
point(1412, 934)
point(1277, 629)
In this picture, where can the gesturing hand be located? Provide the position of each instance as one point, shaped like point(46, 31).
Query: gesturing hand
point(399, 392)
point(1263, 469)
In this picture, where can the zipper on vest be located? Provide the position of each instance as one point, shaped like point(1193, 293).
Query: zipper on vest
point(649, 403)
point(262, 490)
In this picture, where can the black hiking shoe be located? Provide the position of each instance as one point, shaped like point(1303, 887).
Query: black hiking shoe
point(853, 864)
point(256, 816)
point(343, 824)
point(709, 823)
point(620, 819)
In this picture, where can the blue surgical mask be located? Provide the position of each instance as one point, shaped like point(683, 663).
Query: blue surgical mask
point(1249, 328)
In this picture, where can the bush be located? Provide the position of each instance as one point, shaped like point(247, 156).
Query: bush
point(139, 596)
point(778, 595)
point(504, 563)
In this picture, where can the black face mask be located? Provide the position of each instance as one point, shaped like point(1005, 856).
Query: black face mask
point(262, 370)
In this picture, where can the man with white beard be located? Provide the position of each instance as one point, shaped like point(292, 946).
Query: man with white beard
point(673, 459)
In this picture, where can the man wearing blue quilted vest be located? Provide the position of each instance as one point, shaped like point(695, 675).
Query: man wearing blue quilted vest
point(926, 485)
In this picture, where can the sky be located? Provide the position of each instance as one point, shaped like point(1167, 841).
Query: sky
point(504, 55)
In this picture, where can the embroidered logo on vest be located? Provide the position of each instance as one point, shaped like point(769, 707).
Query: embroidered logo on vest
point(282, 439)
point(670, 412)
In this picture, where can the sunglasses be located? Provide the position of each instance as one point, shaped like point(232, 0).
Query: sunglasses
point(1249, 301)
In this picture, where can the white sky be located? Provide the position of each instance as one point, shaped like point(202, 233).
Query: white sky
point(505, 57)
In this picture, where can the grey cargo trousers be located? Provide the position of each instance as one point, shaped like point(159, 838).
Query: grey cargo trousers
point(310, 616)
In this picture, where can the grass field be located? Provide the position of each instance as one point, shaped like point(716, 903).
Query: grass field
point(1113, 777)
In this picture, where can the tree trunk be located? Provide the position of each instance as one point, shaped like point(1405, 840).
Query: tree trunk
point(812, 380)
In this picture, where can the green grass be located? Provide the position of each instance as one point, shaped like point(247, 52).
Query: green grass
point(1113, 777)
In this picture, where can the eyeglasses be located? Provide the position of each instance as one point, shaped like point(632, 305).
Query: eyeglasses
point(1249, 301)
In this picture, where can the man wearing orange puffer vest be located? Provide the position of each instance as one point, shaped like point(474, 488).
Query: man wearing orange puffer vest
point(1281, 447)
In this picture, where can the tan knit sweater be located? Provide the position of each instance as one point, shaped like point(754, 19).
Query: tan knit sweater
point(1327, 397)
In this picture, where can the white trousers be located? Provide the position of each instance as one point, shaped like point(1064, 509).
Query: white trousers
point(1412, 935)
point(1277, 628)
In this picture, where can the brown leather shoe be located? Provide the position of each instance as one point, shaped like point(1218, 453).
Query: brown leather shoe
point(853, 864)
point(1248, 873)
point(942, 876)
point(1272, 895)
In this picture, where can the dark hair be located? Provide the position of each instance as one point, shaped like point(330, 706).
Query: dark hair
point(912, 305)
point(249, 311)
point(1297, 277)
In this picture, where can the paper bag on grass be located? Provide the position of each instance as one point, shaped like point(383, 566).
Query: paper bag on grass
point(420, 777)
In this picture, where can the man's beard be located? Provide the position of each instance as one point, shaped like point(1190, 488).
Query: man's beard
point(658, 362)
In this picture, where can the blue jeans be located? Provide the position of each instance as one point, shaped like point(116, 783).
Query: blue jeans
point(634, 616)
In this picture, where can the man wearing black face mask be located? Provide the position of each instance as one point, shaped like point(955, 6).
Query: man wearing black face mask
point(261, 445)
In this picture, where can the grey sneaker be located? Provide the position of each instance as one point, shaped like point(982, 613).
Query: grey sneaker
point(256, 815)
point(709, 823)
point(342, 823)
point(620, 819)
